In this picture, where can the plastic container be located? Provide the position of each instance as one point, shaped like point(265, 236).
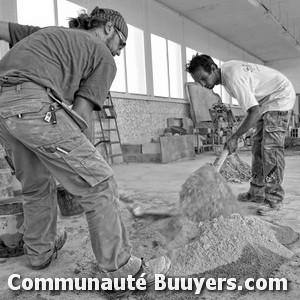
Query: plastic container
point(68, 203)
point(11, 220)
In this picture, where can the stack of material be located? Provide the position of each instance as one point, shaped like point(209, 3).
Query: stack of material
point(235, 170)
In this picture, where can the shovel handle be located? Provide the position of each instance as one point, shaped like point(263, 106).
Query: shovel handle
point(220, 160)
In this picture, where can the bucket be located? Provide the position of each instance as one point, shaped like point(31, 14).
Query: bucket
point(68, 203)
point(11, 220)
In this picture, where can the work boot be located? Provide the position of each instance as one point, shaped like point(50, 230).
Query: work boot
point(247, 197)
point(269, 208)
point(59, 243)
point(150, 268)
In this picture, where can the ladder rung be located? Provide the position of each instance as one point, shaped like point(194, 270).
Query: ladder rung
point(102, 141)
point(108, 106)
point(114, 142)
point(112, 129)
point(109, 117)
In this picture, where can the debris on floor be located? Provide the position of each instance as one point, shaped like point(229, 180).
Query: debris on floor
point(235, 170)
point(224, 241)
point(233, 247)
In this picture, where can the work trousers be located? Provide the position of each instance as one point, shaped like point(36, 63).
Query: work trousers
point(42, 151)
point(268, 156)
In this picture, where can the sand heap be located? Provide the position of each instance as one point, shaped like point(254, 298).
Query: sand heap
point(235, 170)
point(233, 247)
point(237, 246)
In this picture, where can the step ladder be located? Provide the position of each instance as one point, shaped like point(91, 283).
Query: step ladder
point(110, 136)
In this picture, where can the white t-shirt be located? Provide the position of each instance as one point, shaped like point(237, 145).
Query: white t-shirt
point(253, 84)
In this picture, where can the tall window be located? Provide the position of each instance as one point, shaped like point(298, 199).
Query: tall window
point(226, 98)
point(189, 55)
point(119, 84)
point(36, 12)
point(175, 70)
point(131, 74)
point(160, 66)
point(217, 88)
point(167, 67)
point(135, 61)
point(67, 9)
point(43, 13)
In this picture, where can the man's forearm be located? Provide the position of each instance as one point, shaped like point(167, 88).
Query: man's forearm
point(252, 116)
point(84, 109)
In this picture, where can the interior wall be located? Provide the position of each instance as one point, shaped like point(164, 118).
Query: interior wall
point(290, 68)
point(152, 17)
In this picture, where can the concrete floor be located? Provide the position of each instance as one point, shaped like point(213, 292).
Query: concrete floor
point(165, 180)
point(150, 182)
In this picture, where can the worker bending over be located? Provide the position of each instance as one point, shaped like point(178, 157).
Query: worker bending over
point(267, 97)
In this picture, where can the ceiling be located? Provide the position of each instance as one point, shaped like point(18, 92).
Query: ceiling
point(265, 28)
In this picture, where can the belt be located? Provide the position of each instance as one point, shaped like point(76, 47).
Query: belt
point(30, 85)
point(18, 87)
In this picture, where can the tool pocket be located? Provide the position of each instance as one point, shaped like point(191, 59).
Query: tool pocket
point(277, 121)
point(87, 162)
point(20, 108)
point(276, 124)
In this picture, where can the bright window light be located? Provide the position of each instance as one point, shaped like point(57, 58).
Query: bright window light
point(67, 9)
point(119, 84)
point(217, 88)
point(36, 12)
point(135, 61)
point(175, 70)
point(234, 101)
point(189, 55)
point(160, 66)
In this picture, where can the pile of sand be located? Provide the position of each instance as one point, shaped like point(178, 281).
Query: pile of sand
point(235, 170)
point(234, 247)
point(223, 241)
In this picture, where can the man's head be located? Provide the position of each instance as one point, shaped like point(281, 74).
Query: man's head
point(204, 70)
point(109, 25)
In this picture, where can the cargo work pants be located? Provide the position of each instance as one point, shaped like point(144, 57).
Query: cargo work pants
point(268, 156)
point(42, 151)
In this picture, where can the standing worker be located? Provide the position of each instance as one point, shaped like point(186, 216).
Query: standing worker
point(46, 71)
point(267, 97)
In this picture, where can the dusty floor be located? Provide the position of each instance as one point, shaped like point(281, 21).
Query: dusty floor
point(159, 184)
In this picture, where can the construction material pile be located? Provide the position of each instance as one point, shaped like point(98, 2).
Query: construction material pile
point(206, 195)
point(231, 246)
point(234, 247)
point(235, 170)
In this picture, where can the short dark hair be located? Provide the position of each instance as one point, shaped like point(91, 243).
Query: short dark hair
point(200, 60)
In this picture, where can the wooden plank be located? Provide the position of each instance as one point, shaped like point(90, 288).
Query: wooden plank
point(201, 100)
point(176, 147)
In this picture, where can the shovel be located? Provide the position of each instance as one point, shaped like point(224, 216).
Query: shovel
point(206, 195)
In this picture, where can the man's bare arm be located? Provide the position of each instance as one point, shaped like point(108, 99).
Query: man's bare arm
point(85, 109)
point(251, 118)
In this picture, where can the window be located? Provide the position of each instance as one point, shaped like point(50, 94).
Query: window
point(217, 88)
point(36, 12)
point(189, 55)
point(119, 84)
point(160, 66)
point(175, 70)
point(43, 13)
point(226, 98)
point(135, 61)
point(131, 76)
point(167, 67)
point(67, 9)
